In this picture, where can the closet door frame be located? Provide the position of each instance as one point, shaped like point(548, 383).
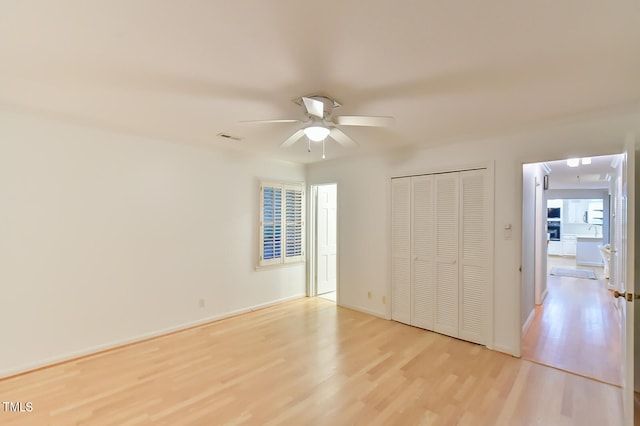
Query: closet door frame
point(489, 166)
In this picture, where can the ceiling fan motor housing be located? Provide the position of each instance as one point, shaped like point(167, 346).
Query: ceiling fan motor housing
point(328, 105)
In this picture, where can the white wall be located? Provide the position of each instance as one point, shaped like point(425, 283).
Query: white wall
point(636, 328)
point(105, 238)
point(542, 243)
point(534, 241)
point(527, 296)
point(364, 207)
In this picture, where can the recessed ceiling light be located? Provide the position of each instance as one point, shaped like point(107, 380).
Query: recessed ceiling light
point(586, 160)
point(573, 162)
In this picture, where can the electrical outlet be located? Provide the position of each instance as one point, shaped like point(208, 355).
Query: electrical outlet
point(201, 303)
point(384, 300)
point(369, 295)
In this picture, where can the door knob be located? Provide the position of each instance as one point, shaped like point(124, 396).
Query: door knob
point(630, 297)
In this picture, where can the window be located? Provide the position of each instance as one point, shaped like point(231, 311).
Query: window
point(281, 223)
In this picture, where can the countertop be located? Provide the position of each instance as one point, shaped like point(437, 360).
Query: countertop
point(589, 238)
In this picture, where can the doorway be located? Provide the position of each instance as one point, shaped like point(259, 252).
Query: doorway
point(569, 319)
point(324, 271)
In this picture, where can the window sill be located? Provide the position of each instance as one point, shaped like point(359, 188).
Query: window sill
point(279, 265)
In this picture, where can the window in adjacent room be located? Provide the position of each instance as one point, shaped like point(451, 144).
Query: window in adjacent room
point(281, 223)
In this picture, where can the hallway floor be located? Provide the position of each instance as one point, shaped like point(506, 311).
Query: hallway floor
point(329, 296)
point(577, 327)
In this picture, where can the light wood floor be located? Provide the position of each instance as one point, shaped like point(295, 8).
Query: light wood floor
point(332, 296)
point(307, 362)
point(577, 328)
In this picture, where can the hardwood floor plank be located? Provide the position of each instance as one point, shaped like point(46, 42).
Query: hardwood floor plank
point(306, 362)
point(577, 330)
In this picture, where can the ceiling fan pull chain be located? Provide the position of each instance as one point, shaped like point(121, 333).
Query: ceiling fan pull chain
point(309, 148)
point(323, 157)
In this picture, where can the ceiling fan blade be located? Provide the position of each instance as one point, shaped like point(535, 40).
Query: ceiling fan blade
point(314, 107)
point(363, 120)
point(270, 121)
point(342, 138)
point(293, 138)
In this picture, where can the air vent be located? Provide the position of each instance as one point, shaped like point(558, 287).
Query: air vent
point(228, 136)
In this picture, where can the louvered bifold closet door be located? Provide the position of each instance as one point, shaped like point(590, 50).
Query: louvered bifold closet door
point(446, 251)
point(473, 255)
point(401, 249)
point(423, 271)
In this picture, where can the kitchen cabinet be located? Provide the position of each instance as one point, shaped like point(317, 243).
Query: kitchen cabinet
point(587, 251)
point(575, 210)
point(583, 211)
point(569, 243)
point(595, 213)
point(555, 248)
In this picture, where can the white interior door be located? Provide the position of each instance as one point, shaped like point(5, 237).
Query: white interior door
point(627, 283)
point(326, 238)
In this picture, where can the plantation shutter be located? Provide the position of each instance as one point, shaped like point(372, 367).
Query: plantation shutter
point(281, 223)
point(271, 224)
point(294, 223)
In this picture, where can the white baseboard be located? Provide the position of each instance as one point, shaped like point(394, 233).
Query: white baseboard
point(145, 336)
point(544, 296)
point(365, 311)
point(528, 322)
point(506, 350)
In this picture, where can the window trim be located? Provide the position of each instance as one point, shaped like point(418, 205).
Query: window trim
point(283, 259)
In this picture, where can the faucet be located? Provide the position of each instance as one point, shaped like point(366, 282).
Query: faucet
point(595, 229)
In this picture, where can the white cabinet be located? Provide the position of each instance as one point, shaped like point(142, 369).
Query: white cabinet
point(566, 247)
point(588, 252)
point(575, 210)
point(595, 213)
point(569, 245)
point(583, 211)
point(440, 252)
point(555, 248)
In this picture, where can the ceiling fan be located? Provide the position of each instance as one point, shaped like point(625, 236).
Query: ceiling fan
point(321, 123)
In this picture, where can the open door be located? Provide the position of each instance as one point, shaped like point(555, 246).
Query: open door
point(326, 238)
point(626, 295)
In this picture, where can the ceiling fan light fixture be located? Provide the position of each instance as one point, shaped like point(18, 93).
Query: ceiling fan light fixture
point(316, 133)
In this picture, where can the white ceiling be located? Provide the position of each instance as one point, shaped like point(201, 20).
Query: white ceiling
point(187, 70)
point(585, 176)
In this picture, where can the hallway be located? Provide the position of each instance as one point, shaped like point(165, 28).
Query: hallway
point(576, 329)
